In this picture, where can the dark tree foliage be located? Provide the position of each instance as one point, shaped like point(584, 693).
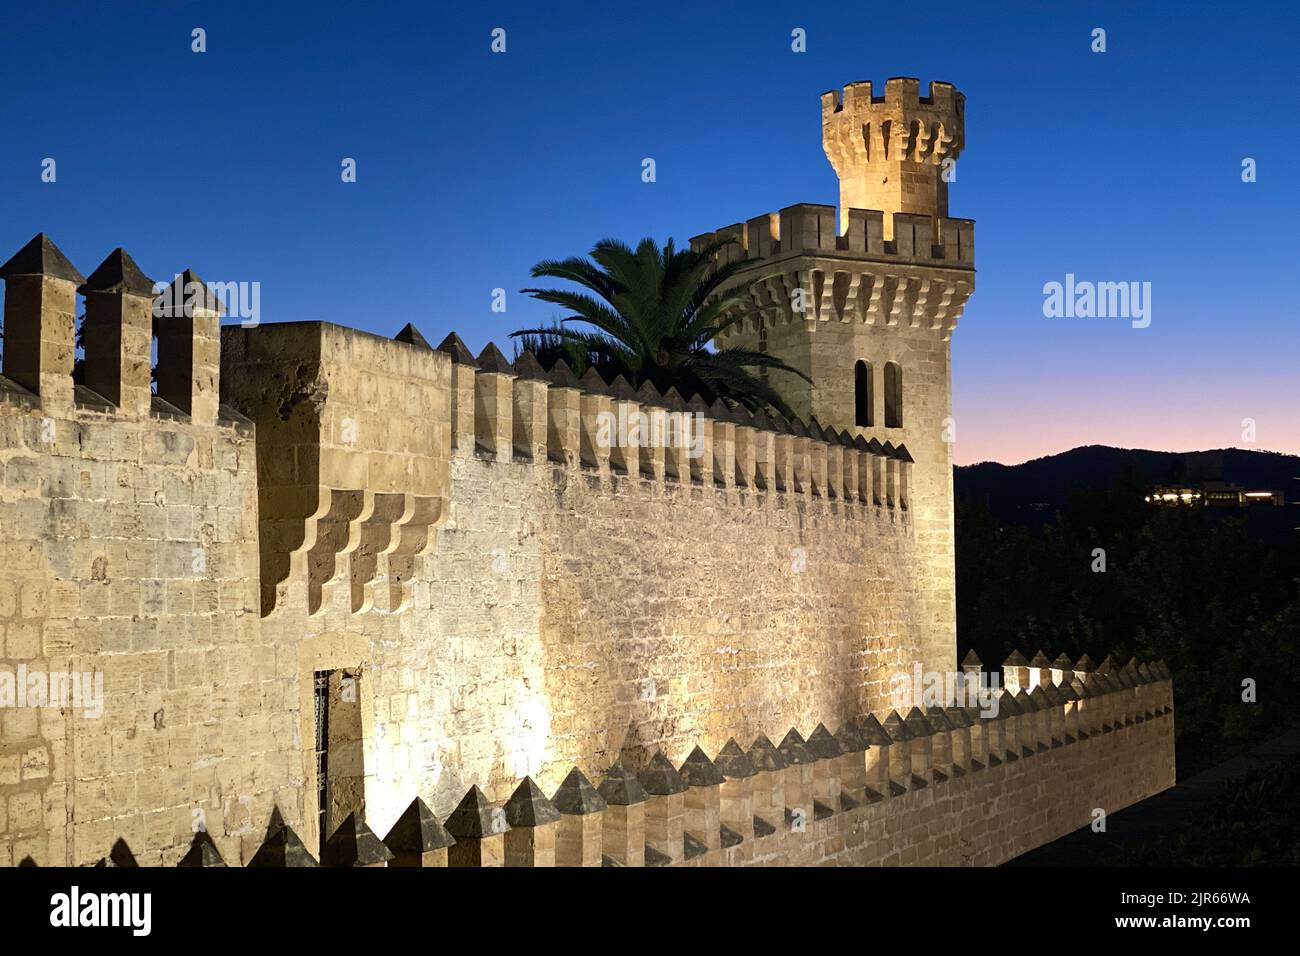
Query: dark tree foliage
point(1181, 584)
point(1252, 823)
point(651, 314)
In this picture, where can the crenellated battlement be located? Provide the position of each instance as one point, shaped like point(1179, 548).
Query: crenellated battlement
point(895, 152)
point(124, 313)
point(865, 795)
point(900, 125)
point(805, 270)
point(809, 229)
point(517, 411)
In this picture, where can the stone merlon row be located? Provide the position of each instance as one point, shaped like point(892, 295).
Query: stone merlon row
point(725, 806)
point(520, 410)
point(811, 228)
point(41, 286)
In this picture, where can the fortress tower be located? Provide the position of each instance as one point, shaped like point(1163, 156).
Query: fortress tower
point(891, 152)
point(865, 304)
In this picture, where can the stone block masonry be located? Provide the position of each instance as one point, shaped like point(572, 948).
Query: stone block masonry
point(352, 585)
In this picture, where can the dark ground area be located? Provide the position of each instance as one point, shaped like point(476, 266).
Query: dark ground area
point(1242, 812)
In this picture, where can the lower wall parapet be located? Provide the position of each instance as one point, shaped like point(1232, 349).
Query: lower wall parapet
point(948, 786)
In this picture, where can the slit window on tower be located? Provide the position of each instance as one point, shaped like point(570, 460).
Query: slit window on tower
point(863, 395)
point(893, 395)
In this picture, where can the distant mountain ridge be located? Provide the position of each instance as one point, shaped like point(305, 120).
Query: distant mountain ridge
point(1043, 484)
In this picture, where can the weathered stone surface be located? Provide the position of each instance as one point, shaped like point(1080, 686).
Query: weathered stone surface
point(339, 522)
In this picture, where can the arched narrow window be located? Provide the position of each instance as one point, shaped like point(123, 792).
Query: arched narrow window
point(864, 395)
point(893, 395)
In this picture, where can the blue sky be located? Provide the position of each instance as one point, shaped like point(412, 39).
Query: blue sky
point(472, 166)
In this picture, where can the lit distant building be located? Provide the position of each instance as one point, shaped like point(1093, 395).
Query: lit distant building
point(1216, 494)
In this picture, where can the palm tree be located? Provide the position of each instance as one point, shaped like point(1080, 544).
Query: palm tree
point(653, 313)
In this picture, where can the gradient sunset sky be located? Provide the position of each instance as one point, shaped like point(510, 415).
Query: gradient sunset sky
point(472, 166)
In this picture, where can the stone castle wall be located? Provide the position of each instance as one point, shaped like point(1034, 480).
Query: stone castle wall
point(550, 613)
point(320, 572)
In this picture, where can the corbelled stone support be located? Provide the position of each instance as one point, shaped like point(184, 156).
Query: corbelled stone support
point(893, 497)
point(904, 476)
point(1054, 703)
point(1031, 729)
point(1071, 712)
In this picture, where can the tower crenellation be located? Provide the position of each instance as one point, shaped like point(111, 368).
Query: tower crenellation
point(894, 152)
